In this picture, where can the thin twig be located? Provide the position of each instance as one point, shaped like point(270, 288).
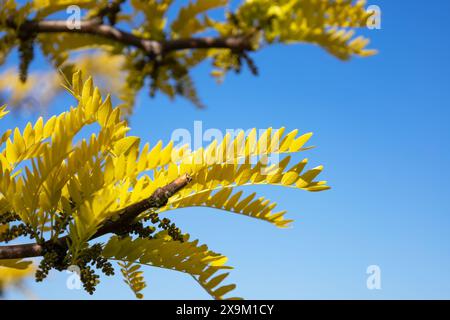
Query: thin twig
point(151, 47)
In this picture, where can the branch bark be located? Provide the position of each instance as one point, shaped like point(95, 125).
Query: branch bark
point(157, 200)
point(151, 47)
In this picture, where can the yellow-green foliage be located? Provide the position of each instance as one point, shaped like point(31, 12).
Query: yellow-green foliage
point(330, 24)
point(133, 277)
point(12, 272)
point(188, 257)
point(46, 170)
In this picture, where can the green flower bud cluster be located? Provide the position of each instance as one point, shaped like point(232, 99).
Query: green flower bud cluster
point(147, 232)
point(56, 257)
point(8, 217)
point(26, 52)
point(141, 231)
point(61, 222)
point(93, 257)
point(14, 231)
point(49, 261)
point(167, 225)
point(111, 10)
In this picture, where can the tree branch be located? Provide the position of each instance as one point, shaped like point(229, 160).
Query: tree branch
point(151, 47)
point(158, 199)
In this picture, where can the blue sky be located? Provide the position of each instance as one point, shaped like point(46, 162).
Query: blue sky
point(381, 131)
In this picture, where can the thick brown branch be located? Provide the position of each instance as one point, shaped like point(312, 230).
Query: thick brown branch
point(157, 200)
point(151, 47)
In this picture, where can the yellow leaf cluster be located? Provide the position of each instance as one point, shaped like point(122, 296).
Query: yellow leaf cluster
point(133, 277)
point(327, 23)
point(187, 22)
point(43, 168)
point(155, 17)
point(47, 7)
point(220, 168)
point(163, 252)
point(53, 167)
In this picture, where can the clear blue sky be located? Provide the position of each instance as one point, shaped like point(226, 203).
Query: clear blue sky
point(382, 132)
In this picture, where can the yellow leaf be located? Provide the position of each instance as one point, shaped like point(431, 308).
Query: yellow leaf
point(300, 142)
point(3, 111)
point(289, 178)
point(125, 145)
point(16, 264)
point(11, 152)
